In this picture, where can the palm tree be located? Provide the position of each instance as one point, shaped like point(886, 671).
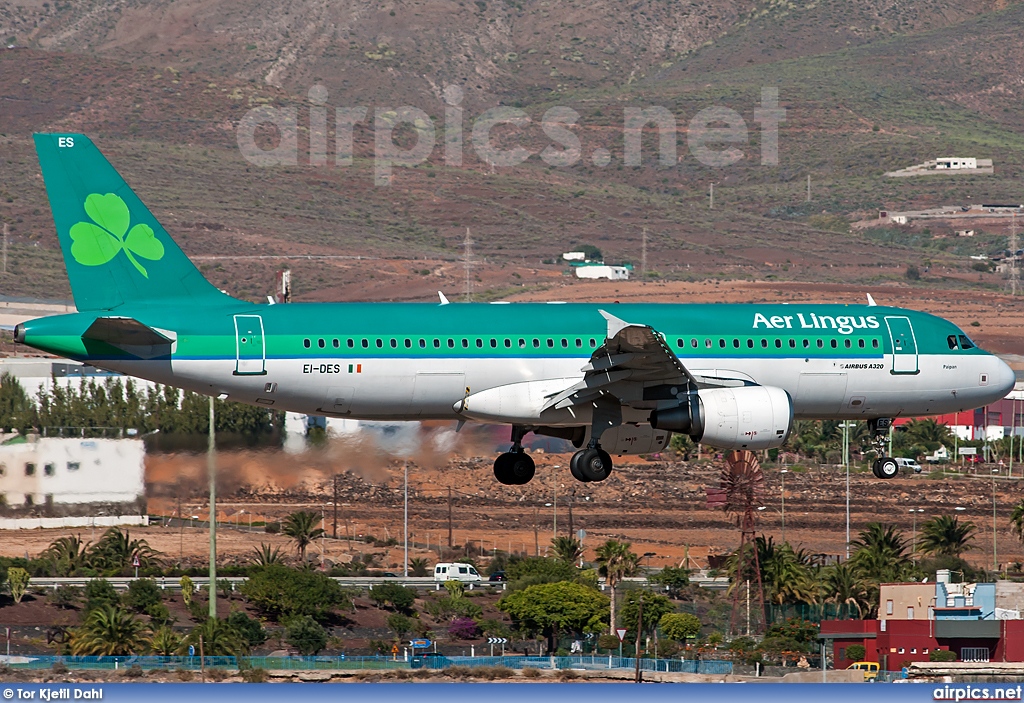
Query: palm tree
point(66, 555)
point(419, 566)
point(616, 561)
point(843, 586)
point(265, 556)
point(928, 433)
point(944, 536)
point(1017, 520)
point(116, 549)
point(165, 642)
point(219, 639)
point(109, 631)
point(786, 577)
point(301, 527)
point(567, 549)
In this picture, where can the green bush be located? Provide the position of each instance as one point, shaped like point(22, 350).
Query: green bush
point(99, 593)
point(398, 597)
point(680, 626)
point(306, 635)
point(17, 579)
point(942, 655)
point(249, 629)
point(141, 595)
point(856, 652)
point(282, 592)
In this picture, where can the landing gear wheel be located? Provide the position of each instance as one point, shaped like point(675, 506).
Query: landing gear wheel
point(502, 469)
point(521, 468)
point(593, 463)
point(514, 468)
point(574, 468)
point(886, 468)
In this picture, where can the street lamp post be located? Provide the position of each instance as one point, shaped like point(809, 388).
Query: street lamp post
point(846, 463)
point(995, 560)
point(405, 520)
point(783, 474)
point(913, 533)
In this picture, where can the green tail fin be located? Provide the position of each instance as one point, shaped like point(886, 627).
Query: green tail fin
point(115, 251)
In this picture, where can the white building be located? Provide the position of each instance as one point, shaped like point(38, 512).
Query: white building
point(51, 471)
point(614, 273)
point(574, 256)
point(955, 162)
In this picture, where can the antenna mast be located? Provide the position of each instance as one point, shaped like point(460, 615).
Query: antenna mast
point(643, 256)
point(1013, 254)
point(468, 262)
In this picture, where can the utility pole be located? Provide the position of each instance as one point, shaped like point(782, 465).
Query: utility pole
point(211, 466)
point(643, 255)
point(995, 558)
point(536, 532)
point(405, 521)
point(468, 249)
point(334, 529)
point(711, 205)
point(5, 247)
point(808, 187)
point(554, 511)
point(639, 628)
point(449, 517)
point(1013, 254)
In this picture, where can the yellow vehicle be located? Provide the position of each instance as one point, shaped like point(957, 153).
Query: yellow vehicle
point(870, 669)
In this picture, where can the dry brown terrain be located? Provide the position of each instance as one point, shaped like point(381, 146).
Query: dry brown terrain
point(658, 505)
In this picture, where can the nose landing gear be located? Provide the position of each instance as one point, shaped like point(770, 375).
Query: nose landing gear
point(883, 467)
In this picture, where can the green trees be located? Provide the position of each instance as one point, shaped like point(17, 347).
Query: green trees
point(400, 624)
point(302, 527)
point(616, 561)
point(418, 566)
point(550, 608)
point(844, 586)
point(398, 597)
point(265, 555)
point(99, 593)
point(219, 639)
point(249, 629)
point(108, 631)
point(946, 536)
point(680, 626)
point(17, 413)
point(676, 580)
point(66, 555)
point(165, 642)
point(1017, 520)
point(655, 606)
point(530, 571)
point(17, 581)
point(306, 635)
point(280, 592)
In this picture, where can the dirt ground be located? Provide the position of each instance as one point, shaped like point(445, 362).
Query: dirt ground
point(658, 505)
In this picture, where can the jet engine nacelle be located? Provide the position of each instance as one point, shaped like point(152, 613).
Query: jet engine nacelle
point(748, 417)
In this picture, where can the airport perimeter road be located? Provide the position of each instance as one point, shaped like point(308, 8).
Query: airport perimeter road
point(424, 582)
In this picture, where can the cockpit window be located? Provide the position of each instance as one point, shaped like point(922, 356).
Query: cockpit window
point(966, 343)
point(951, 341)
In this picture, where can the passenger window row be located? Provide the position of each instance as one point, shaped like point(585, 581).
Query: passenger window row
point(777, 342)
point(451, 343)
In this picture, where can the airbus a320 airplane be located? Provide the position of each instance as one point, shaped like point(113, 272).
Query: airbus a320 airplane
point(613, 379)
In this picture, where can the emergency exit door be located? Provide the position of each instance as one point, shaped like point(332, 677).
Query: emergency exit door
point(904, 345)
point(250, 349)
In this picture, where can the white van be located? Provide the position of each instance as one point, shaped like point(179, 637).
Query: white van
point(455, 571)
point(908, 465)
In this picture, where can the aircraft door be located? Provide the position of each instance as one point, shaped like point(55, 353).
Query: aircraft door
point(250, 348)
point(904, 345)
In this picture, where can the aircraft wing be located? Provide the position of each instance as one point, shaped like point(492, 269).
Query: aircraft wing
point(634, 364)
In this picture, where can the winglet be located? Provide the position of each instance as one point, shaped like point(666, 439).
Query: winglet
point(871, 301)
point(615, 325)
point(444, 300)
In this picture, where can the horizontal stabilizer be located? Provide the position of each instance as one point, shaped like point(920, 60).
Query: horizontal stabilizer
point(125, 331)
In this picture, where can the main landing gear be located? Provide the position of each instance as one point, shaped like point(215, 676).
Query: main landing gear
point(884, 466)
point(515, 467)
point(591, 464)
